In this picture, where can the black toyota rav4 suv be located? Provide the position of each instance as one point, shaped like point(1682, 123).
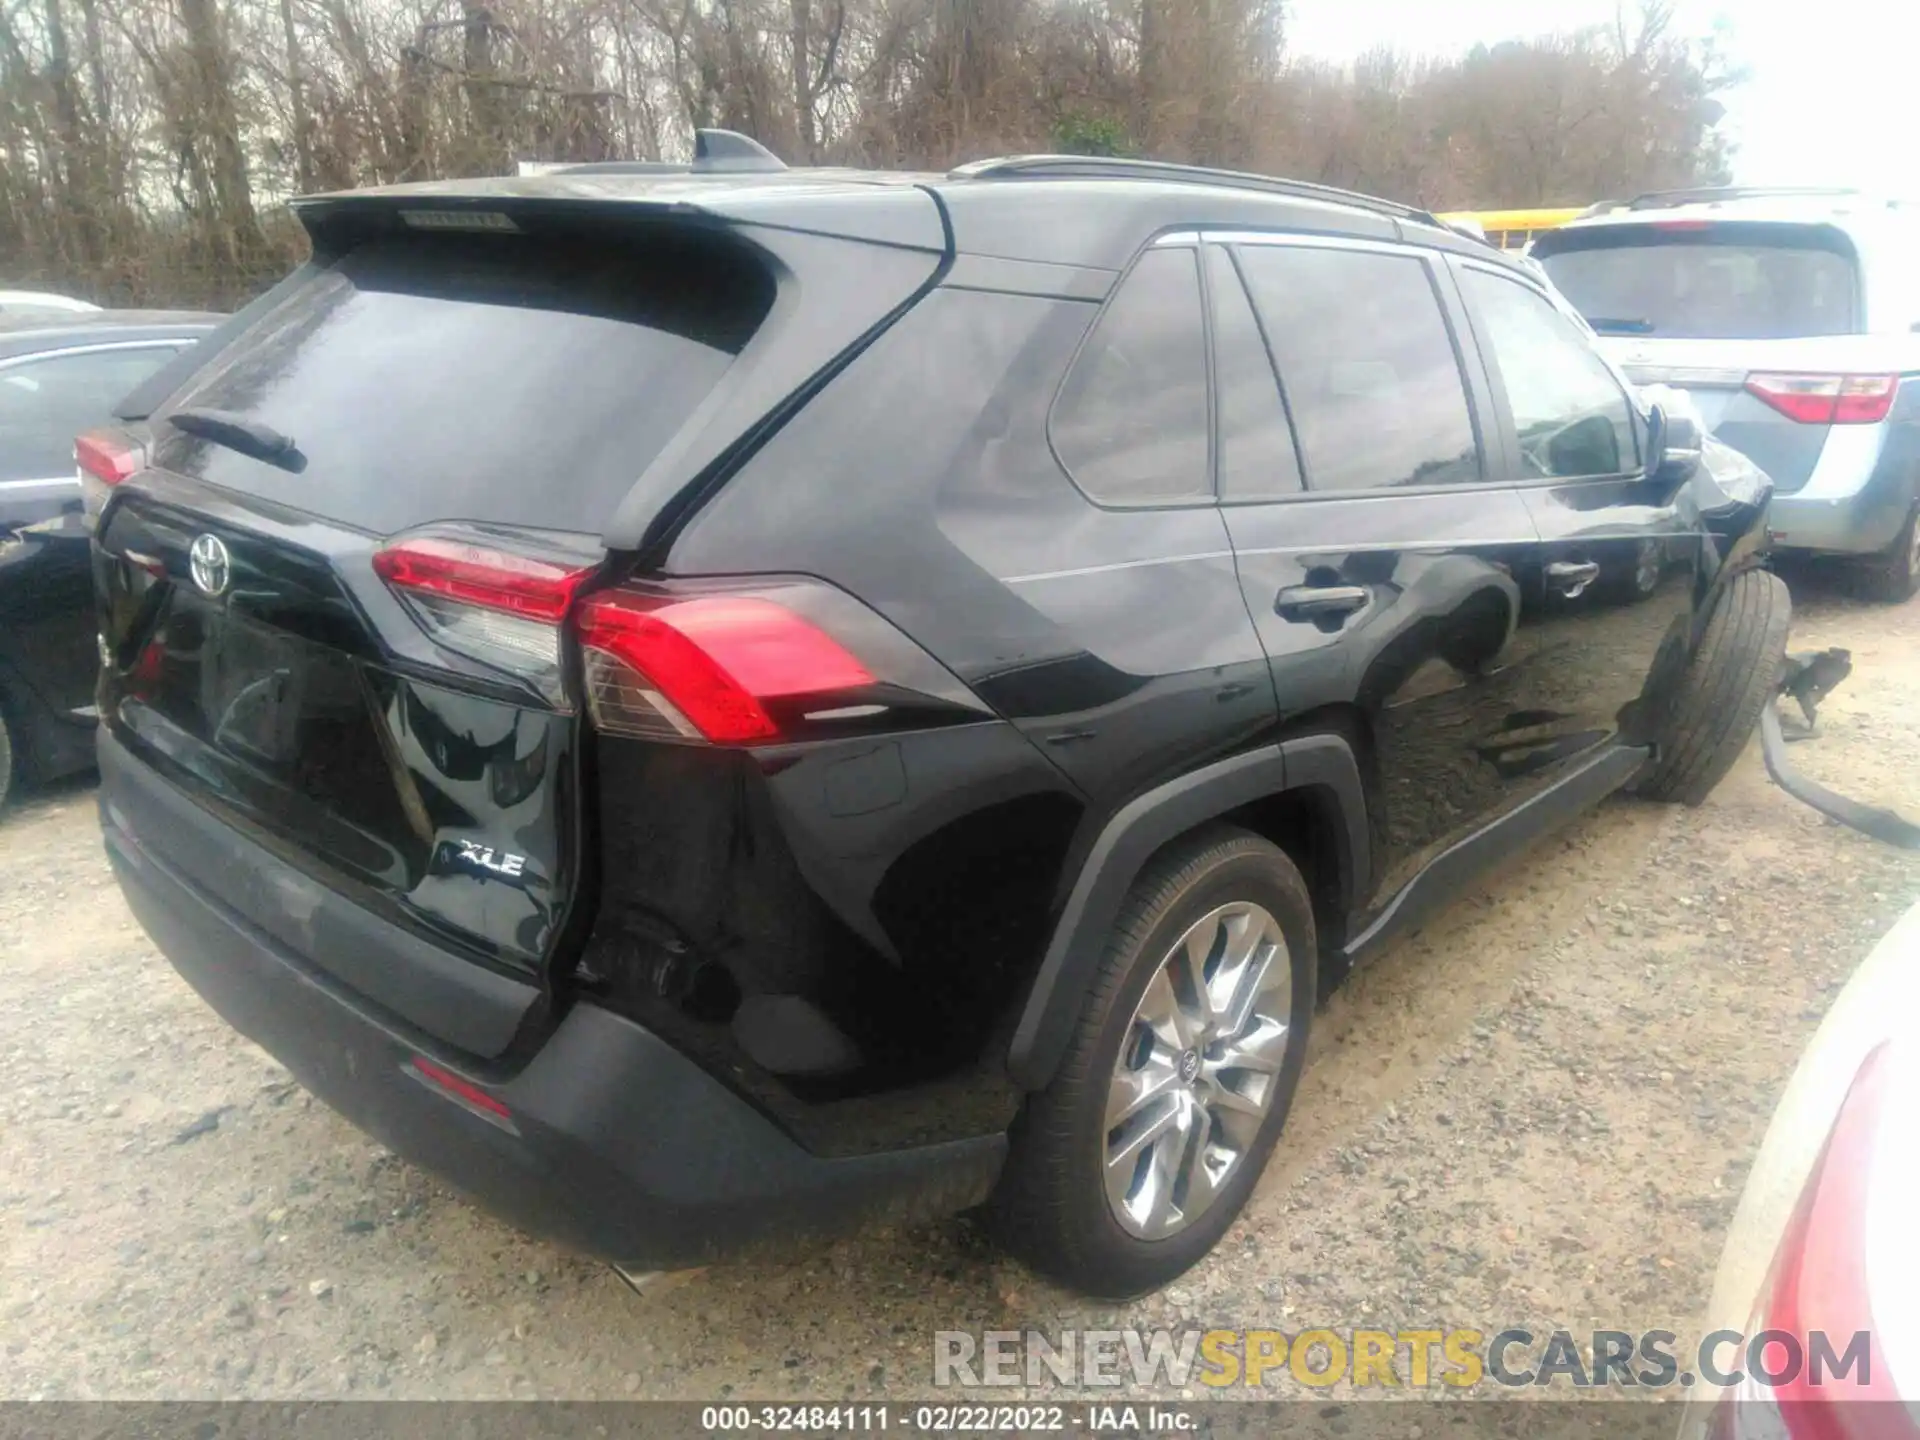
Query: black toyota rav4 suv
point(715, 708)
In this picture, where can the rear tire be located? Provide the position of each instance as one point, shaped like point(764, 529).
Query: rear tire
point(1085, 1198)
point(1893, 576)
point(1733, 674)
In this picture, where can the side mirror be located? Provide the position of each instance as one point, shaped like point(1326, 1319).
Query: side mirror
point(1673, 446)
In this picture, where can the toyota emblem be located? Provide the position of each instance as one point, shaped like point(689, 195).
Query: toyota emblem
point(210, 565)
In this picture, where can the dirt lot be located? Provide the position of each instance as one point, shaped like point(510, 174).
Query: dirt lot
point(1536, 1112)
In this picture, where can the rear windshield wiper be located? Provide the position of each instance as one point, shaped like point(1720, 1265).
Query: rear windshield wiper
point(238, 432)
point(1606, 325)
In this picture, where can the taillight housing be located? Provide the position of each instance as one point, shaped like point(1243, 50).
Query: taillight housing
point(1845, 1255)
point(499, 599)
point(1822, 399)
point(755, 662)
point(705, 662)
point(103, 459)
point(709, 667)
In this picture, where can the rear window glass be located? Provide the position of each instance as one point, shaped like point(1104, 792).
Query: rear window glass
point(513, 379)
point(1719, 282)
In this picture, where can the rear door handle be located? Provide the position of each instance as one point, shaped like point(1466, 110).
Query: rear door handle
point(1305, 602)
point(1570, 577)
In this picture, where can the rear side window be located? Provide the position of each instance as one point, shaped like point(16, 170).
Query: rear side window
point(1368, 365)
point(519, 380)
point(1256, 459)
point(44, 403)
point(1707, 281)
point(1570, 413)
point(1130, 423)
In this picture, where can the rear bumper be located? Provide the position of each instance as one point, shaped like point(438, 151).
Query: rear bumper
point(1855, 503)
point(615, 1144)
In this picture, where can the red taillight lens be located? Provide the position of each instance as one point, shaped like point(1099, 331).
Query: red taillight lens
point(107, 456)
point(103, 459)
point(502, 607)
point(704, 668)
point(476, 575)
point(1828, 399)
point(1834, 1263)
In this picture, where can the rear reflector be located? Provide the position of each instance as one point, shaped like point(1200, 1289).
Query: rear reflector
point(463, 1092)
point(1827, 399)
point(704, 668)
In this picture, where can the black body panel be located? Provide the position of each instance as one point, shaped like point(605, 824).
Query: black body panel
point(617, 1144)
point(48, 658)
point(843, 955)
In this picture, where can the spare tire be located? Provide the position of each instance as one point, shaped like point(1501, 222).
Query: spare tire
point(1732, 675)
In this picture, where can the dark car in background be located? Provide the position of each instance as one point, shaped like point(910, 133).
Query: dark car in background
point(716, 708)
point(61, 372)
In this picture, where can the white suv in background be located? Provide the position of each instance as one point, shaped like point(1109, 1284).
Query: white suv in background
point(1792, 317)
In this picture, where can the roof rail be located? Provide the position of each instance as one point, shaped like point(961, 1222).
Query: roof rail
point(1708, 194)
point(715, 152)
point(1107, 167)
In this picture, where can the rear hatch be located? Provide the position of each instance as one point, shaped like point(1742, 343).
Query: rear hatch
point(1760, 322)
point(336, 599)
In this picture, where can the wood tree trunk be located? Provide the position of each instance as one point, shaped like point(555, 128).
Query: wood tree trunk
point(236, 239)
point(297, 103)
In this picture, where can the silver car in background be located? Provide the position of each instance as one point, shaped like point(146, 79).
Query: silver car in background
point(1792, 318)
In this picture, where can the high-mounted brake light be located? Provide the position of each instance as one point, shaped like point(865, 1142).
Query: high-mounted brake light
point(1817, 399)
point(704, 668)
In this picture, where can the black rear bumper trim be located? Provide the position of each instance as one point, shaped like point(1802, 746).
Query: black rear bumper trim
point(625, 1149)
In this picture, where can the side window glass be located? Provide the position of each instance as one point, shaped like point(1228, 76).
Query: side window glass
point(1131, 421)
point(1368, 365)
point(1572, 415)
point(1256, 458)
point(45, 403)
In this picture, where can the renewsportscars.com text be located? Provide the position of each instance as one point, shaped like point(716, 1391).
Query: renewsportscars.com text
point(1392, 1359)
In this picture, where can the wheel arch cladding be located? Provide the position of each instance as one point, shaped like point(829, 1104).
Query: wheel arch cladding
point(1321, 769)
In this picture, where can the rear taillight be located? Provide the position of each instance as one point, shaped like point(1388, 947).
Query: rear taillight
point(1827, 399)
point(726, 662)
point(500, 606)
point(102, 459)
point(1846, 1255)
point(707, 667)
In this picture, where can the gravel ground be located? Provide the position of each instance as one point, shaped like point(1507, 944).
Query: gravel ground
point(1538, 1111)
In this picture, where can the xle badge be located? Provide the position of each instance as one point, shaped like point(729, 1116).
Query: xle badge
point(490, 860)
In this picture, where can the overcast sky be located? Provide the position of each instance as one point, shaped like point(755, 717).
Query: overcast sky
point(1830, 100)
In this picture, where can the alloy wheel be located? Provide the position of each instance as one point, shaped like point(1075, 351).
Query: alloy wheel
point(1198, 1070)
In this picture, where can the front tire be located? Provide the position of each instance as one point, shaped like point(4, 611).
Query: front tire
point(1734, 672)
point(1137, 1157)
